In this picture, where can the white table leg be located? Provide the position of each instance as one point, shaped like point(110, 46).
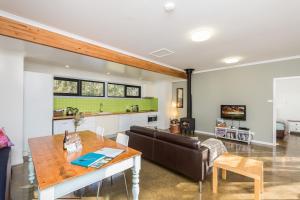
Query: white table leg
point(46, 194)
point(135, 177)
point(31, 175)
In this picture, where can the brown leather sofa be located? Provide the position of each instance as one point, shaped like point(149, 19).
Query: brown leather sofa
point(176, 152)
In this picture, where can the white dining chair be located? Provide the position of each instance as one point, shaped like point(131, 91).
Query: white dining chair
point(122, 139)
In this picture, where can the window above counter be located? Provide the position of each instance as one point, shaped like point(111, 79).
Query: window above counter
point(123, 91)
point(88, 88)
point(66, 87)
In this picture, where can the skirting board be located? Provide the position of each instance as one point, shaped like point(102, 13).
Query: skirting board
point(253, 141)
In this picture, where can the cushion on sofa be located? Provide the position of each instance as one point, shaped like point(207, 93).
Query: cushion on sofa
point(4, 140)
point(178, 139)
point(143, 131)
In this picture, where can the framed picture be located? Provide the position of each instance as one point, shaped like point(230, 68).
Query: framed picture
point(179, 97)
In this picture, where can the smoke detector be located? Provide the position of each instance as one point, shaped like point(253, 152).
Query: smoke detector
point(162, 53)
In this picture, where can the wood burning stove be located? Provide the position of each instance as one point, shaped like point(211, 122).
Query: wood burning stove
point(187, 124)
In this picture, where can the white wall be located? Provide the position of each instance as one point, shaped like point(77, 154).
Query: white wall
point(11, 100)
point(38, 106)
point(81, 74)
point(161, 89)
point(288, 99)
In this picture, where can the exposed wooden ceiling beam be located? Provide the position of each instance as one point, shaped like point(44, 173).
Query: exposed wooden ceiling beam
point(22, 31)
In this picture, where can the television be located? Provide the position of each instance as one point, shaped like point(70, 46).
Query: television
point(233, 112)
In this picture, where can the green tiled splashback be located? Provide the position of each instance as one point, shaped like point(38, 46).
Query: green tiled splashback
point(109, 104)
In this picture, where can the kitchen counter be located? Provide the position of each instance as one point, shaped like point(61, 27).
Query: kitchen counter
point(94, 114)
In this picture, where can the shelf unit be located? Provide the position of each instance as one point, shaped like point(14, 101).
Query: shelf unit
point(234, 134)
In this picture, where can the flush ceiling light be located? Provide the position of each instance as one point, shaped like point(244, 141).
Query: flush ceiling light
point(231, 60)
point(169, 6)
point(67, 66)
point(202, 34)
point(108, 73)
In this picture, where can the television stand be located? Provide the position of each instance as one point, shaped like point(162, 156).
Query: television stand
point(234, 134)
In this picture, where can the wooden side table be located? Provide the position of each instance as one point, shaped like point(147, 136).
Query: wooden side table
point(175, 128)
point(240, 165)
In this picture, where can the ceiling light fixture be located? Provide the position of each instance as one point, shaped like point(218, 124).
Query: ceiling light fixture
point(169, 6)
point(67, 66)
point(201, 34)
point(232, 60)
point(108, 73)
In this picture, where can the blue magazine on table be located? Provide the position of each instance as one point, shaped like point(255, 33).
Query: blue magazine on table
point(88, 159)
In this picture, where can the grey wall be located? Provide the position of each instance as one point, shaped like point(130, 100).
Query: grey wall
point(251, 86)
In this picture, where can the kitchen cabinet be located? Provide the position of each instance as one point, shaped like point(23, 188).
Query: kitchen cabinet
point(60, 126)
point(124, 122)
point(110, 123)
point(139, 119)
point(89, 123)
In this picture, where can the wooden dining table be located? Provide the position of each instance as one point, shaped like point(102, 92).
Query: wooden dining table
point(56, 176)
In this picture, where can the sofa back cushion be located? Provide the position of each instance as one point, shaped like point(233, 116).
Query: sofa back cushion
point(178, 139)
point(143, 131)
point(141, 143)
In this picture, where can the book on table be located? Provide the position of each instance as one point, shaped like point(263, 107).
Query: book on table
point(98, 158)
point(88, 159)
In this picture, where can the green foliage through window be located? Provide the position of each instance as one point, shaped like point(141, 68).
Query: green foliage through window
point(76, 87)
point(66, 86)
point(115, 90)
point(92, 88)
point(133, 91)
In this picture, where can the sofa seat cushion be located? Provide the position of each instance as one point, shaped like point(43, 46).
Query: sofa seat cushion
point(178, 139)
point(143, 131)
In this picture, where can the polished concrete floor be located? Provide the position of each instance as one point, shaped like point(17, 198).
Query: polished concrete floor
point(282, 178)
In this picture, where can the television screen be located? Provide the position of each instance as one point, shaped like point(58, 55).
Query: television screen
point(233, 112)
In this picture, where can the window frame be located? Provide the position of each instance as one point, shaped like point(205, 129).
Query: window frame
point(68, 79)
point(133, 86)
point(92, 82)
point(116, 84)
point(125, 90)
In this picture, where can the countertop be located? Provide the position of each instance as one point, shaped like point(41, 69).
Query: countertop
point(94, 114)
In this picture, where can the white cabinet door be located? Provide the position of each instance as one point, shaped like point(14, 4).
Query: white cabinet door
point(139, 119)
point(110, 123)
point(60, 126)
point(89, 123)
point(124, 122)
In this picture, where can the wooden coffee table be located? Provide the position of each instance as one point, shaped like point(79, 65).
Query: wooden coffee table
point(240, 165)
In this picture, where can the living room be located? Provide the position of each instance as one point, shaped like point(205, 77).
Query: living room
point(182, 100)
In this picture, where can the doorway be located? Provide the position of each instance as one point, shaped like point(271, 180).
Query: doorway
point(286, 108)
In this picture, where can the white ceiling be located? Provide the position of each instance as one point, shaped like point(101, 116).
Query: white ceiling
point(48, 56)
point(256, 30)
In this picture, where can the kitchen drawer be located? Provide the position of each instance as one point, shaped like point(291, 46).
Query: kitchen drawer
point(89, 123)
point(60, 126)
point(110, 124)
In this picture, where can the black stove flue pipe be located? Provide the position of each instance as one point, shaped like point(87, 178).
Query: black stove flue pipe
point(189, 92)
